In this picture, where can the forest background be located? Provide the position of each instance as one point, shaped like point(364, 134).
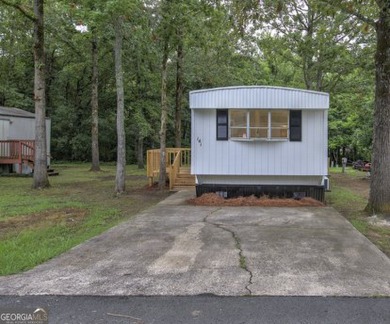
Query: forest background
point(204, 44)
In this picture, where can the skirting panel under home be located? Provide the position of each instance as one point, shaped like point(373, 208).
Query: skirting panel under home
point(282, 191)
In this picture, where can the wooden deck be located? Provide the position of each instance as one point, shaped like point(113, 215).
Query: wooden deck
point(17, 152)
point(178, 161)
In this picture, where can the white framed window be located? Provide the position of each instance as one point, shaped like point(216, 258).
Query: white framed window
point(259, 124)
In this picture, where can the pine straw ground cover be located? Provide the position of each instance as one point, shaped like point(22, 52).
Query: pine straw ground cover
point(212, 199)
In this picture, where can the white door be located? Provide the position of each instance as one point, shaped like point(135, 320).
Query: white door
point(4, 129)
point(4, 133)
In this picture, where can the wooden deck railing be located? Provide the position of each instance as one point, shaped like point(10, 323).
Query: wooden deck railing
point(175, 159)
point(17, 152)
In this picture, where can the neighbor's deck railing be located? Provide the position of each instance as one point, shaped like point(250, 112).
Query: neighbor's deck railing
point(17, 152)
point(175, 159)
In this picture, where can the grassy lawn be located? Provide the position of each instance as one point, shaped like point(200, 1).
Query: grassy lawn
point(349, 196)
point(37, 225)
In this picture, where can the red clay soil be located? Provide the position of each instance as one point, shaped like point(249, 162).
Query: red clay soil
point(212, 199)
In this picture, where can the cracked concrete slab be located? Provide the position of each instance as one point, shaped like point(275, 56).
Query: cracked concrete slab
point(177, 249)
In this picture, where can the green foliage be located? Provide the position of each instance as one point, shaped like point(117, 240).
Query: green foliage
point(16, 60)
point(225, 43)
point(351, 115)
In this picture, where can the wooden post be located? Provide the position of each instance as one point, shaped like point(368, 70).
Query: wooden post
point(344, 163)
point(20, 158)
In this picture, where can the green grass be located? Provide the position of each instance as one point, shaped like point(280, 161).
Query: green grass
point(348, 197)
point(37, 225)
point(348, 170)
point(344, 199)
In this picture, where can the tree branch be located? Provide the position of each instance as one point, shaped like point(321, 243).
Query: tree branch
point(62, 38)
point(19, 7)
point(349, 10)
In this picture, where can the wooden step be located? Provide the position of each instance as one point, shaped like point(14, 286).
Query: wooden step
point(185, 175)
point(185, 180)
point(52, 173)
point(185, 183)
point(185, 170)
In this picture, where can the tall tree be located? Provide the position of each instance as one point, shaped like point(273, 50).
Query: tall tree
point(86, 16)
point(166, 32)
point(164, 115)
point(377, 14)
point(179, 86)
point(40, 162)
point(379, 200)
point(118, 11)
point(120, 121)
point(41, 179)
point(95, 104)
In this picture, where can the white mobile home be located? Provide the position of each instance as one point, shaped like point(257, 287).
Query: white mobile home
point(260, 140)
point(17, 136)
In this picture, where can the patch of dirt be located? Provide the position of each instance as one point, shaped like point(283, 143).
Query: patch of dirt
point(212, 199)
point(71, 216)
point(148, 190)
point(128, 177)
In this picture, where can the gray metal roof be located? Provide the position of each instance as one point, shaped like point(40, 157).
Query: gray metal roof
point(15, 112)
point(258, 97)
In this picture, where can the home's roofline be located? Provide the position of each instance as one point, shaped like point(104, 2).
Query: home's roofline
point(16, 112)
point(259, 87)
point(258, 97)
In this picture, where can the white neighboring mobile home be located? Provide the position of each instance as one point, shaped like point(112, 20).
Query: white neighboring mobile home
point(260, 140)
point(18, 125)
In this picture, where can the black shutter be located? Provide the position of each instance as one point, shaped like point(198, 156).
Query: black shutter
point(295, 125)
point(222, 125)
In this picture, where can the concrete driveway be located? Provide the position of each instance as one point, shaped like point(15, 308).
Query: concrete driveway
point(176, 249)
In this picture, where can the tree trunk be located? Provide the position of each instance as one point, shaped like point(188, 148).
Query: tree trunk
point(179, 89)
point(140, 152)
point(120, 118)
point(40, 164)
point(308, 52)
point(95, 106)
point(164, 115)
point(379, 200)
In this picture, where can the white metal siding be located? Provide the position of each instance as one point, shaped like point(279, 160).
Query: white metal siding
point(22, 128)
point(255, 97)
point(305, 158)
point(279, 162)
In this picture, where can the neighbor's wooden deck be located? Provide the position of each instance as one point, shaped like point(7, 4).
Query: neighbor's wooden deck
point(17, 152)
point(178, 161)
